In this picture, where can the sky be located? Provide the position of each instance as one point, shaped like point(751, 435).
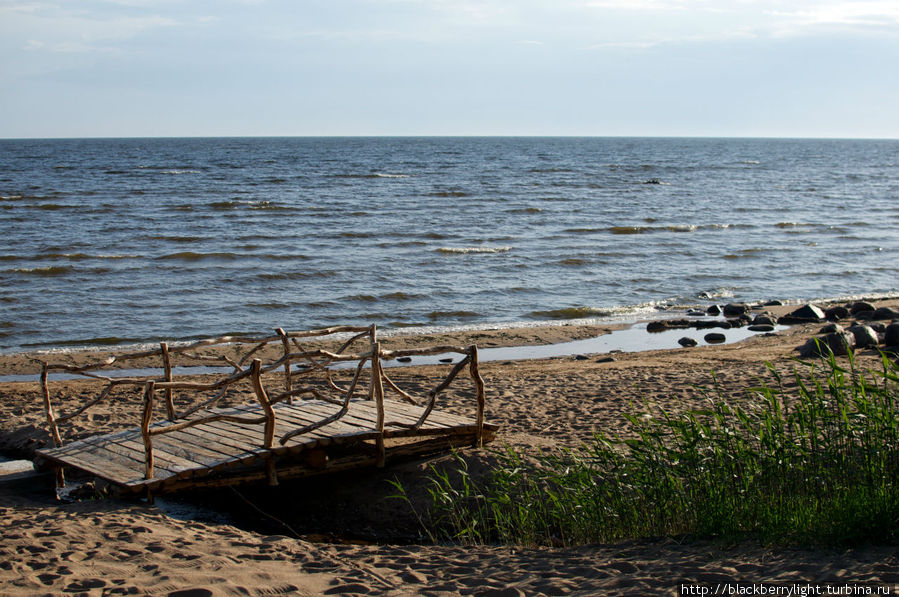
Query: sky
point(723, 68)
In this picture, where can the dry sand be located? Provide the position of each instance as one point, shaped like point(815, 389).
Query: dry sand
point(348, 538)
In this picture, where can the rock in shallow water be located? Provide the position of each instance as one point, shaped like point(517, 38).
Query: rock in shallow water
point(735, 309)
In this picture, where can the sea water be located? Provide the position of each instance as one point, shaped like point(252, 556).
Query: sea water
point(119, 241)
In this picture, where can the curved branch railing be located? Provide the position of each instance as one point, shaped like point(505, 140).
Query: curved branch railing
point(303, 361)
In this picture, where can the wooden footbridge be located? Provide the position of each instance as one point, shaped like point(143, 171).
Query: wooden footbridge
point(307, 410)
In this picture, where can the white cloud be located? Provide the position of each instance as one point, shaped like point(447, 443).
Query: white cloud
point(876, 14)
point(637, 5)
point(50, 27)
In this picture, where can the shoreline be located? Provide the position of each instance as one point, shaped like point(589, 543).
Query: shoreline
point(617, 316)
point(487, 335)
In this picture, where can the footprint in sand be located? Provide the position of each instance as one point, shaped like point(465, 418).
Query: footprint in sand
point(191, 593)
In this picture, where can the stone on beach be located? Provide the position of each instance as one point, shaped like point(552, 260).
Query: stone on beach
point(806, 314)
point(860, 307)
point(836, 313)
point(864, 336)
point(885, 313)
point(764, 319)
point(891, 335)
point(837, 343)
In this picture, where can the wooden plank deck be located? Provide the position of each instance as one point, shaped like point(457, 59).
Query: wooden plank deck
point(224, 453)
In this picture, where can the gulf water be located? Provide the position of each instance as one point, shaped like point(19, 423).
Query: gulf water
point(119, 241)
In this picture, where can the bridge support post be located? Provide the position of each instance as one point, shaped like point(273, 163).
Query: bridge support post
point(269, 437)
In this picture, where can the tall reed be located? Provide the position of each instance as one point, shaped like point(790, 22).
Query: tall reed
point(815, 462)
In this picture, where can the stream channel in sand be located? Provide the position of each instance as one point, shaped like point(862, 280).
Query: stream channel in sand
point(631, 339)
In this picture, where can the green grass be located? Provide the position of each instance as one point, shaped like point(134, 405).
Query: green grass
point(814, 463)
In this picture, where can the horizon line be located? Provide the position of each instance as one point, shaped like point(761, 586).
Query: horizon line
point(436, 136)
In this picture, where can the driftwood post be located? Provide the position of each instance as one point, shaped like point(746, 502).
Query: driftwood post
point(51, 418)
point(269, 434)
point(481, 397)
point(285, 342)
point(377, 390)
point(149, 392)
point(167, 365)
point(51, 422)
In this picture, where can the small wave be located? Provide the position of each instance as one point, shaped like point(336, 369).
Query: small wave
point(375, 316)
point(571, 313)
point(449, 194)
point(745, 254)
point(649, 229)
point(82, 256)
point(193, 256)
point(573, 262)
point(101, 341)
point(716, 294)
point(363, 298)
point(297, 275)
point(407, 243)
point(171, 169)
point(400, 296)
point(174, 239)
point(247, 204)
point(749, 162)
point(629, 229)
point(355, 235)
point(525, 210)
point(11, 197)
point(550, 170)
point(452, 314)
point(269, 306)
point(371, 175)
point(52, 270)
point(471, 250)
point(52, 206)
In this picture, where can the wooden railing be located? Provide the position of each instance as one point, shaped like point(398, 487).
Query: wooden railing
point(283, 351)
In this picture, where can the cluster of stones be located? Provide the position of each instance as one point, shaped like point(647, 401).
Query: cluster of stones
point(737, 315)
point(848, 327)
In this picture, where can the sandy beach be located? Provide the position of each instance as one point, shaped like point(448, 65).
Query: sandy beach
point(352, 539)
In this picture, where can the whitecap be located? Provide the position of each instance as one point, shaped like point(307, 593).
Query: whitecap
point(469, 250)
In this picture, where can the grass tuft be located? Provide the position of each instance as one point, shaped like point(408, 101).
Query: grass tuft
point(818, 463)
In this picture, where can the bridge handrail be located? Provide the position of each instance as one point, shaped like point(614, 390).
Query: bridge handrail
point(307, 361)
